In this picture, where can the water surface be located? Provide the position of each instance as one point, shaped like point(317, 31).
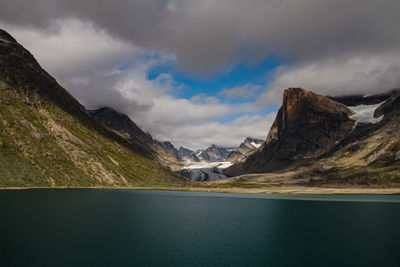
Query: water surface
point(154, 228)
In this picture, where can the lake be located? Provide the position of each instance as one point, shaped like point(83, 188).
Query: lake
point(85, 227)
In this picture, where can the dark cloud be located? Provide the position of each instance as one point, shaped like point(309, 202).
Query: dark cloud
point(102, 51)
point(207, 34)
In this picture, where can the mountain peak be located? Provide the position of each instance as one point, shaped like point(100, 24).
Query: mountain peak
point(307, 125)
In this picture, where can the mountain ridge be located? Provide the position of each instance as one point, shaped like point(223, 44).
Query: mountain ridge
point(123, 125)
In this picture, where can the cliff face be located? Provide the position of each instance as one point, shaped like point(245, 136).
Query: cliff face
point(48, 139)
point(124, 126)
point(306, 126)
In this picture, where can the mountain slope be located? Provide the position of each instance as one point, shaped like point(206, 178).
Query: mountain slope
point(48, 139)
point(124, 126)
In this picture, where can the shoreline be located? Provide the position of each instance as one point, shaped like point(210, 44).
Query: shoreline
point(288, 190)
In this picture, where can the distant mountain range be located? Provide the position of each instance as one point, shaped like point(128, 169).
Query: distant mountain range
point(216, 153)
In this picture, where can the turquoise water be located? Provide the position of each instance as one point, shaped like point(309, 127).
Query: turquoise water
point(155, 228)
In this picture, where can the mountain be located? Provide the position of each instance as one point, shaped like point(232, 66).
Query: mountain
point(316, 140)
point(246, 148)
point(48, 139)
point(124, 126)
point(169, 147)
point(214, 153)
point(187, 155)
point(306, 126)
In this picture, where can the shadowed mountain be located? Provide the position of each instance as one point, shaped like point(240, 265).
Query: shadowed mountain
point(124, 126)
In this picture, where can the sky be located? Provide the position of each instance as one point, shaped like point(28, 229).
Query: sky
point(207, 72)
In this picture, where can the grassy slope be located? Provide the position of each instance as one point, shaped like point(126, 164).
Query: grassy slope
point(42, 145)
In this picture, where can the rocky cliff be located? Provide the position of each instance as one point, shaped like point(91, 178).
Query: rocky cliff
point(306, 126)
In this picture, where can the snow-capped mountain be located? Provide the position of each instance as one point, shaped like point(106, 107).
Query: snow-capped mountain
point(214, 154)
point(245, 149)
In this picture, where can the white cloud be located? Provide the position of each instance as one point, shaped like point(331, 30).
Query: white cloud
point(72, 47)
point(246, 91)
point(357, 74)
point(228, 134)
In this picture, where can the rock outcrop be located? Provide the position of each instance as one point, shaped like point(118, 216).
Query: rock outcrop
point(306, 126)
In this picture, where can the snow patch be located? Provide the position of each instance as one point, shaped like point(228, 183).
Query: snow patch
point(206, 165)
point(205, 171)
point(255, 145)
point(365, 114)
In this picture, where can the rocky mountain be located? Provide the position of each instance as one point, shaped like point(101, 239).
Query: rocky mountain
point(169, 147)
point(214, 153)
point(249, 146)
point(48, 139)
point(318, 141)
point(123, 125)
point(187, 155)
point(306, 126)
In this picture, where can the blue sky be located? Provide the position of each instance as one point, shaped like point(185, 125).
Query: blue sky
point(237, 75)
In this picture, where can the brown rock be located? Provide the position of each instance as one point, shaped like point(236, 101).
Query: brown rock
point(306, 126)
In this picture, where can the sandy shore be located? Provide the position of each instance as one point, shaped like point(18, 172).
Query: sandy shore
point(262, 190)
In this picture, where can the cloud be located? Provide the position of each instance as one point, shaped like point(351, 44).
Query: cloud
point(72, 46)
point(246, 91)
point(205, 35)
point(359, 74)
point(228, 135)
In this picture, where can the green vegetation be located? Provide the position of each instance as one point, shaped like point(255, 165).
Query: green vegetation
point(43, 145)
